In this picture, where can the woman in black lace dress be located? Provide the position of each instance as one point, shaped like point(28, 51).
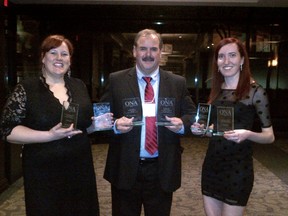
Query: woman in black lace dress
point(227, 172)
point(59, 177)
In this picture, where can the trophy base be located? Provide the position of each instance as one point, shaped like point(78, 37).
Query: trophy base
point(138, 123)
point(103, 129)
point(218, 134)
point(198, 130)
point(201, 131)
point(164, 124)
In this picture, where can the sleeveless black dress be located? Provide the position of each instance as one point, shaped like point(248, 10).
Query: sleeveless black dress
point(227, 172)
point(59, 176)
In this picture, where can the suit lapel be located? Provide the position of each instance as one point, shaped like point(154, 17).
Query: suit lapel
point(163, 88)
point(133, 82)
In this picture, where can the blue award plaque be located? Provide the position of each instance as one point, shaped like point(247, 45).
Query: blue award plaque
point(101, 116)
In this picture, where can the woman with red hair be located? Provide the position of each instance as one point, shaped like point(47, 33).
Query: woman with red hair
point(58, 169)
point(227, 173)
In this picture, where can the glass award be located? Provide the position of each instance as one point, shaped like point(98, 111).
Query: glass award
point(69, 114)
point(166, 107)
point(132, 107)
point(101, 116)
point(225, 120)
point(203, 117)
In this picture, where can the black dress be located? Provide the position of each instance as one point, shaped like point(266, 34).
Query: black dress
point(227, 173)
point(59, 176)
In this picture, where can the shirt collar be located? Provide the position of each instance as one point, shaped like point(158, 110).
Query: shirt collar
point(153, 75)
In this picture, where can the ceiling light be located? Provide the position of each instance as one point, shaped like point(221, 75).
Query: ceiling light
point(159, 23)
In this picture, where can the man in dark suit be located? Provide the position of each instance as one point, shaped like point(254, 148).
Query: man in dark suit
point(138, 175)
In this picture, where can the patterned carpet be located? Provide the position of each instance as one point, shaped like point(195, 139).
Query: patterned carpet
point(269, 196)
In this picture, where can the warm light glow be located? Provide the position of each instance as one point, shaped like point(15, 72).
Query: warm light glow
point(274, 62)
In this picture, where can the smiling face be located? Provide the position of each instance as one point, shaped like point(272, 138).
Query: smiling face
point(57, 61)
point(147, 53)
point(229, 60)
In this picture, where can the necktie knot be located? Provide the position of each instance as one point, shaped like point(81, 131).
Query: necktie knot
point(149, 92)
point(147, 79)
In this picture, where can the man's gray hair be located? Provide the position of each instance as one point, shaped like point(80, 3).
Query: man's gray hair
point(147, 32)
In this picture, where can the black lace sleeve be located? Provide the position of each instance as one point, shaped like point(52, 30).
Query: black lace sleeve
point(13, 112)
point(261, 103)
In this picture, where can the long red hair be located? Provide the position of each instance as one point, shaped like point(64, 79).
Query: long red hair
point(245, 77)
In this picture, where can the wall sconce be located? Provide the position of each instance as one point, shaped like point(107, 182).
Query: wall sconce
point(269, 63)
point(273, 62)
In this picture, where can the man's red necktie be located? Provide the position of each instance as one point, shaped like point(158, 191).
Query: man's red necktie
point(151, 130)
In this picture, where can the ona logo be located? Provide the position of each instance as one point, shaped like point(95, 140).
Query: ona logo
point(72, 109)
point(166, 102)
point(225, 112)
point(131, 103)
point(203, 109)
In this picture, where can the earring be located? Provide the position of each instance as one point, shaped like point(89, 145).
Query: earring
point(69, 72)
point(241, 67)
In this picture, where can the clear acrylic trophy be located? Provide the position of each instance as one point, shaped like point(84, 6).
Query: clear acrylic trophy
point(132, 108)
point(166, 107)
point(203, 117)
point(69, 114)
point(225, 120)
